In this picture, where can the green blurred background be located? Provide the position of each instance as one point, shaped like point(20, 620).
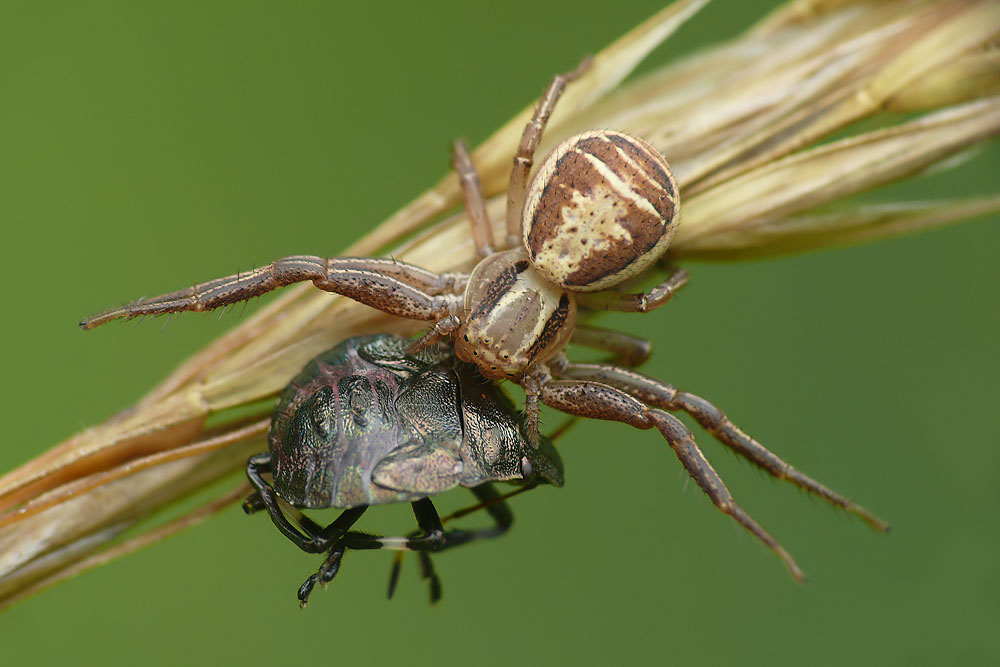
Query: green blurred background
point(147, 146)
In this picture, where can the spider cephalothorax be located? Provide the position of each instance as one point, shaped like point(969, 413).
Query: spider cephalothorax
point(601, 208)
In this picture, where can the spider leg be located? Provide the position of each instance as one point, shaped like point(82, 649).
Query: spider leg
point(387, 284)
point(643, 302)
point(475, 202)
point(628, 350)
point(600, 401)
point(659, 394)
point(524, 158)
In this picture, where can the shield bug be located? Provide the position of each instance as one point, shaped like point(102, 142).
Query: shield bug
point(368, 423)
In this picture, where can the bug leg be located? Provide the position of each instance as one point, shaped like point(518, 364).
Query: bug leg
point(428, 572)
point(636, 303)
point(494, 503)
point(524, 158)
point(312, 538)
point(253, 503)
point(475, 203)
point(323, 576)
point(490, 500)
point(391, 286)
point(397, 566)
point(600, 401)
point(627, 350)
point(662, 395)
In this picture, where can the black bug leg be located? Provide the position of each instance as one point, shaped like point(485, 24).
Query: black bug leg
point(314, 539)
point(253, 503)
point(397, 564)
point(427, 572)
point(489, 499)
point(431, 538)
point(493, 502)
point(323, 576)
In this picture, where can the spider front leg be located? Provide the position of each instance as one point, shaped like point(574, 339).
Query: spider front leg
point(389, 285)
point(659, 394)
point(524, 158)
point(600, 401)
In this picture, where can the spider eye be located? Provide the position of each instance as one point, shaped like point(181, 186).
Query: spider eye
point(466, 337)
point(506, 356)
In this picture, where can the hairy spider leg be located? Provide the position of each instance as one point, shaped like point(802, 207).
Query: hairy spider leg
point(643, 302)
point(475, 201)
point(600, 401)
point(389, 285)
point(524, 158)
point(712, 419)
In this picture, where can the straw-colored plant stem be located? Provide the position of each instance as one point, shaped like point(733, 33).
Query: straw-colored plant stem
point(744, 125)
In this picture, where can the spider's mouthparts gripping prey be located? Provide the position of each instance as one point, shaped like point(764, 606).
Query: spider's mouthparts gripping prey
point(601, 208)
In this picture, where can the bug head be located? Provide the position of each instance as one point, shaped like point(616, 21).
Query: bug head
point(542, 465)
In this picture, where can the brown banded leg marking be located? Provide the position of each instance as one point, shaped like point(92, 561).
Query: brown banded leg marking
point(636, 303)
point(661, 395)
point(628, 350)
point(594, 400)
point(524, 158)
point(389, 285)
point(475, 202)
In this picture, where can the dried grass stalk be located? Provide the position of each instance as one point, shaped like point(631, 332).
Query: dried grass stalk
point(741, 122)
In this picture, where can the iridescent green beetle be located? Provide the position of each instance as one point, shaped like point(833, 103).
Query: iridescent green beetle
point(367, 424)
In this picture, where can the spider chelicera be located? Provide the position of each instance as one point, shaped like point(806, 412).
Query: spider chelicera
point(601, 208)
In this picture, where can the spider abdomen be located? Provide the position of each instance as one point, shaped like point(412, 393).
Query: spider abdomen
point(601, 209)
